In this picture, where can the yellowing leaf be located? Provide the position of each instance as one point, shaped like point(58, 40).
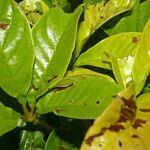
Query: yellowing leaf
point(33, 9)
point(96, 15)
point(124, 125)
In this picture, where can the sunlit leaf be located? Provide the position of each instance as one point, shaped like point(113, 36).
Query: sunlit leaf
point(137, 67)
point(87, 2)
point(33, 9)
point(124, 125)
point(134, 22)
point(9, 119)
point(54, 37)
point(16, 50)
point(141, 67)
point(98, 14)
point(82, 96)
point(119, 45)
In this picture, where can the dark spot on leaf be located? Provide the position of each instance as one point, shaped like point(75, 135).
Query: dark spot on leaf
point(128, 109)
point(62, 87)
point(105, 2)
point(138, 123)
point(135, 136)
point(85, 104)
point(134, 39)
point(34, 88)
point(114, 96)
point(70, 101)
point(58, 110)
point(61, 148)
point(97, 102)
point(53, 77)
point(144, 110)
point(102, 17)
point(4, 26)
point(120, 143)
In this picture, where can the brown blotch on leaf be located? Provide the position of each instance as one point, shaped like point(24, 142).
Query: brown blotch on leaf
point(4, 26)
point(116, 127)
point(62, 87)
point(53, 77)
point(128, 109)
point(138, 123)
point(134, 39)
point(102, 17)
point(135, 136)
point(120, 143)
point(90, 139)
point(144, 110)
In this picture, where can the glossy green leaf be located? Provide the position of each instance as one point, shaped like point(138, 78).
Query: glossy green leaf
point(119, 45)
point(16, 50)
point(97, 15)
point(9, 119)
point(31, 140)
point(141, 66)
point(137, 67)
point(76, 75)
point(33, 9)
point(83, 71)
point(134, 22)
point(124, 125)
point(54, 36)
point(84, 98)
point(122, 69)
point(55, 142)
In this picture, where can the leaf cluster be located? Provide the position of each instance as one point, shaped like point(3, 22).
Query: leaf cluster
point(64, 63)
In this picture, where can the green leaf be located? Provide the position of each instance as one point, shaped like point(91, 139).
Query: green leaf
point(31, 140)
point(134, 22)
point(141, 66)
point(122, 69)
point(76, 75)
point(119, 45)
point(89, 2)
point(16, 50)
point(64, 4)
point(137, 67)
point(53, 49)
point(97, 15)
point(84, 72)
point(85, 98)
point(124, 125)
point(55, 142)
point(33, 9)
point(9, 119)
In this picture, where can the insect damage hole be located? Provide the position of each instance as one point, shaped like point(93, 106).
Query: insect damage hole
point(120, 143)
point(97, 102)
